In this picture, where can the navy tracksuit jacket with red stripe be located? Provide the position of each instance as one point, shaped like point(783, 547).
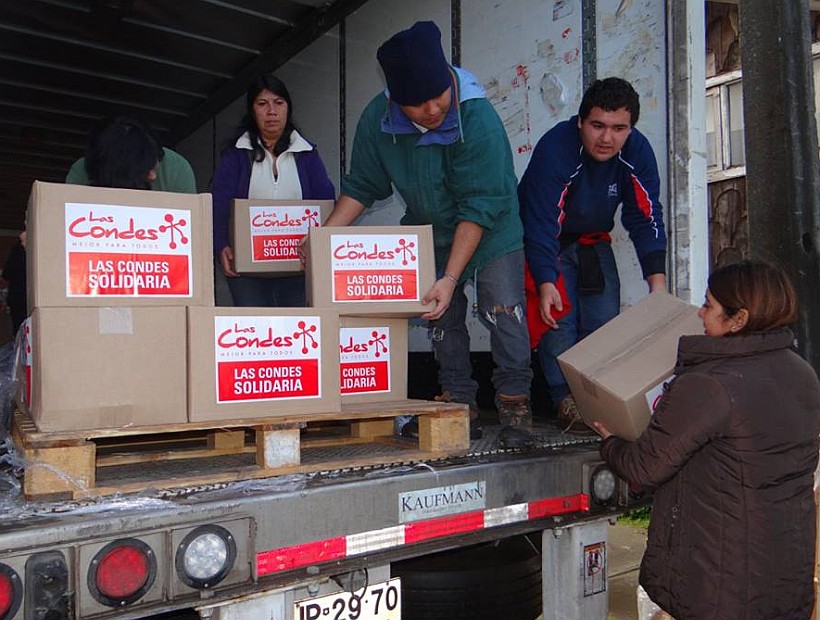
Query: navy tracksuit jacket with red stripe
point(566, 192)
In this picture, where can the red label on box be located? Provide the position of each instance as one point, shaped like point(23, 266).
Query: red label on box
point(366, 285)
point(276, 231)
point(364, 377)
point(374, 267)
point(267, 357)
point(102, 273)
point(273, 248)
point(126, 251)
point(267, 380)
point(364, 359)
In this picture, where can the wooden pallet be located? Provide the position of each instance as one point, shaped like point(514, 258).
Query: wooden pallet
point(77, 464)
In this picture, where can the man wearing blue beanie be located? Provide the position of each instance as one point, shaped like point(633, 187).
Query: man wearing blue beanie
point(433, 136)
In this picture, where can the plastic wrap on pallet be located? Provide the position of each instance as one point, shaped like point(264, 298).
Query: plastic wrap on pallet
point(16, 509)
point(10, 464)
point(8, 385)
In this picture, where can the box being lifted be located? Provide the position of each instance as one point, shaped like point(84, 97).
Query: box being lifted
point(617, 373)
point(93, 246)
point(266, 233)
point(371, 270)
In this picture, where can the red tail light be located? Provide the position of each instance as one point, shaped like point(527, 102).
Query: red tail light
point(11, 592)
point(122, 572)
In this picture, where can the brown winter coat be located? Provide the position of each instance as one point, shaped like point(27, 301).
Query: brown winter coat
point(730, 455)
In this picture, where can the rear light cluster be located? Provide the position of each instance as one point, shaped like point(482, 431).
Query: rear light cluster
point(129, 572)
point(122, 572)
point(11, 592)
point(205, 556)
point(125, 569)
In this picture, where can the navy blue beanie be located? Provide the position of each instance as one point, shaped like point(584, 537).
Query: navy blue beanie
point(414, 64)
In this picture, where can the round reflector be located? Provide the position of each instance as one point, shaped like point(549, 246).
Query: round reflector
point(603, 485)
point(205, 556)
point(11, 591)
point(122, 572)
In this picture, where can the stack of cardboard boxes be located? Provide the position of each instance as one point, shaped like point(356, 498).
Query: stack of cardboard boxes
point(110, 275)
point(375, 277)
point(124, 331)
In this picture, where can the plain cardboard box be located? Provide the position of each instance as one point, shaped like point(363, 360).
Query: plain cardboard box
point(94, 246)
point(372, 359)
point(114, 367)
point(265, 234)
point(262, 362)
point(616, 374)
point(370, 270)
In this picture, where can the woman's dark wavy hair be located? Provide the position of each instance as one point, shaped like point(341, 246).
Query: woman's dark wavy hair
point(611, 94)
point(272, 83)
point(763, 289)
point(121, 152)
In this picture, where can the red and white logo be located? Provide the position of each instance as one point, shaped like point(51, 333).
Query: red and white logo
point(262, 358)
point(277, 231)
point(121, 251)
point(364, 356)
point(371, 267)
point(654, 394)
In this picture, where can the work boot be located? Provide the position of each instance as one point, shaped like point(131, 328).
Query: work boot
point(475, 425)
point(515, 416)
point(569, 418)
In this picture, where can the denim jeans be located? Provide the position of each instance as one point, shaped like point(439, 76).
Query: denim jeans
point(501, 306)
point(284, 292)
point(588, 313)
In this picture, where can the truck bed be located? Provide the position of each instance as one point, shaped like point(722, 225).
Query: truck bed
point(292, 529)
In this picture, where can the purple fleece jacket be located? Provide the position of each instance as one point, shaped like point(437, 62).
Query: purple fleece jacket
point(232, 179)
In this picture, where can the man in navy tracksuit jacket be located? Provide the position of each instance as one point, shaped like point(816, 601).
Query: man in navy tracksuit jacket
point(580, 172)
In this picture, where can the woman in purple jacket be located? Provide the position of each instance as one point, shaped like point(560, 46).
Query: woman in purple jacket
point(268, 159)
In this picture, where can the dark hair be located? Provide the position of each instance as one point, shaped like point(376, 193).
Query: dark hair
point(611, 94)
point(121, 153)
point(272, 83)
point(763, 289)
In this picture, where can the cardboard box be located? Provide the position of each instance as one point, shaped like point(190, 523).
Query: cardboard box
point(370, 270)
point(93, 246)
point(95, 368)
point(372, 359)
point(262, 362)
point(616, 374)
point(265, 234)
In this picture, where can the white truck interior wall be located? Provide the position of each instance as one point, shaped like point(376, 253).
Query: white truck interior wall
point(312, 78)
point(527, 54)
point(631, 41)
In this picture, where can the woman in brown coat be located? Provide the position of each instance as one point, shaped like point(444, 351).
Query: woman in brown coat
point(730, 455)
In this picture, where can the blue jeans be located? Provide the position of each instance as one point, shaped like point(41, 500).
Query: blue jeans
point(501, 306)
point(284, 292)
point(588, 313)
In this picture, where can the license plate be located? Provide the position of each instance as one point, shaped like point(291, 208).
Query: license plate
point(380, 601)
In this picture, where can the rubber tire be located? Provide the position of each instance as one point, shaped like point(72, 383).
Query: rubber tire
point(492, 581)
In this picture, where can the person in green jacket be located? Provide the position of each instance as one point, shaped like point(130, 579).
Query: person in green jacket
point(435, 138)
point(122, 153)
